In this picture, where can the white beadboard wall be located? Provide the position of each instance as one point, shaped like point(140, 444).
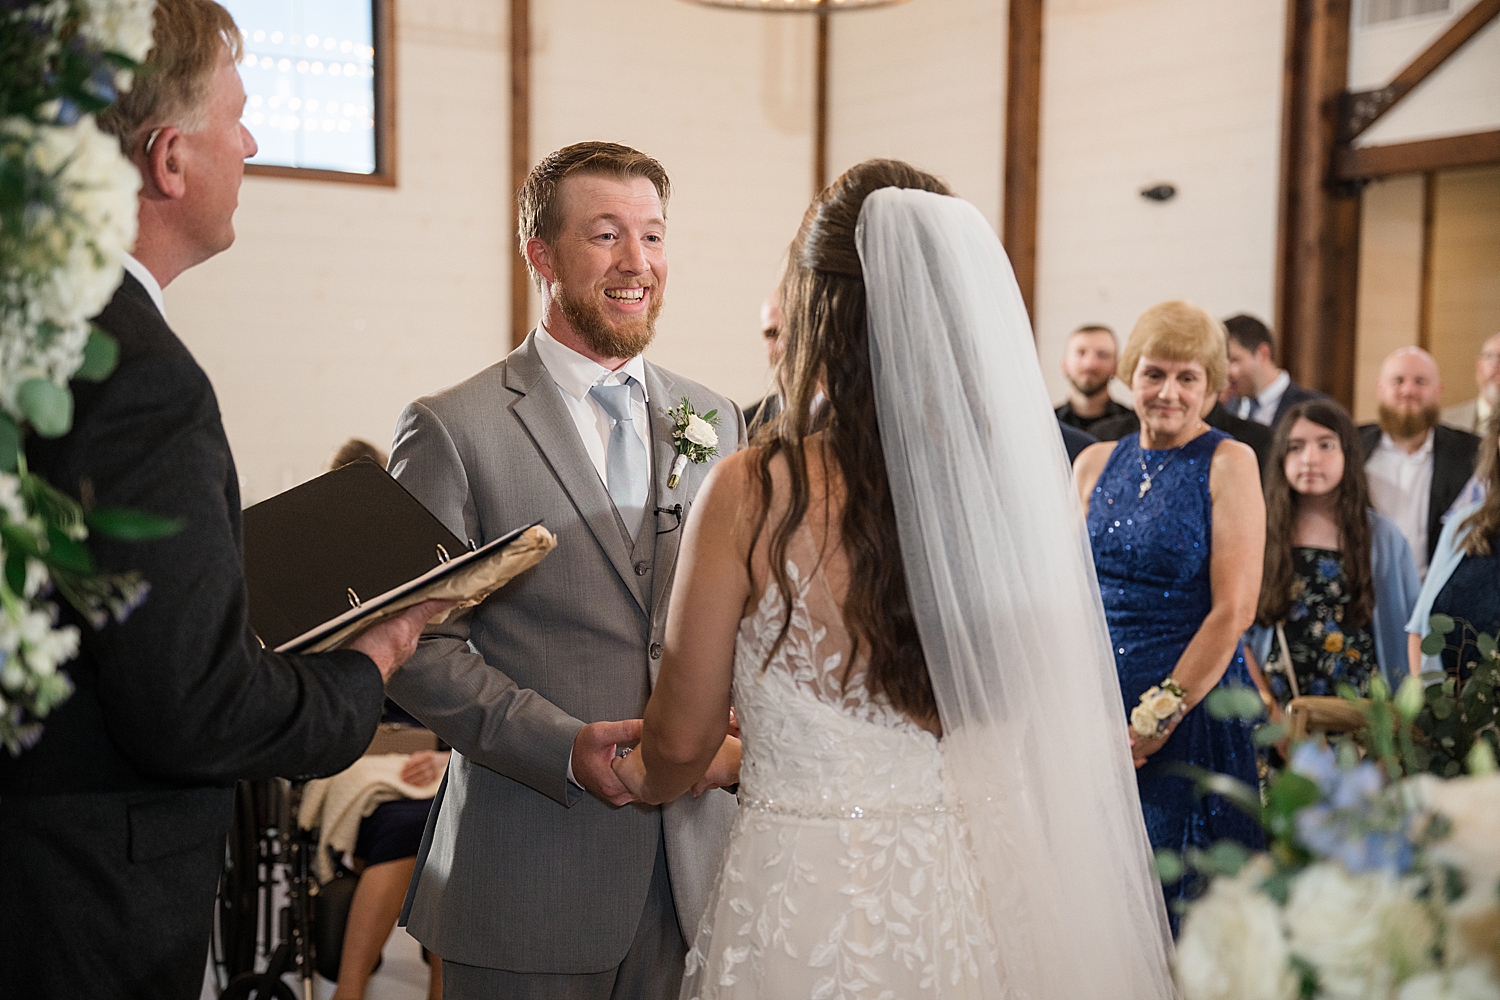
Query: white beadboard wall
point(340, 303)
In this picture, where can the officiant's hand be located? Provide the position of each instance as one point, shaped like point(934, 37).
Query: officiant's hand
point(594, 757)
point(725, 769)
point(392, 642)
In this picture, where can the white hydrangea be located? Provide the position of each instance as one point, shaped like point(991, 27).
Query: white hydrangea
point(11, 503)
point(66, 263)
point(122, 26)
point(1233, 945)
point(1472, 982)
point(1365, 934)
point(1472, 807)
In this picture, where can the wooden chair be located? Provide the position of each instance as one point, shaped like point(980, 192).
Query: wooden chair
point(1315, 714)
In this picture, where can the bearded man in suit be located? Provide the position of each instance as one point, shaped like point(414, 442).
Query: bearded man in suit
point(112, 827)
point(537, 877)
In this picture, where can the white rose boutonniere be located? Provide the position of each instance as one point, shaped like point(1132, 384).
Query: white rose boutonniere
point(694, 436)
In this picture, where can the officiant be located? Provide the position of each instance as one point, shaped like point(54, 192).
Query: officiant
point(112, 827)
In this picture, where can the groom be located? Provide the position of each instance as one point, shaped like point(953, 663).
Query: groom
point(536, 877)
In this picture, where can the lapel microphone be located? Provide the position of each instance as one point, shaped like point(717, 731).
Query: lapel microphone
point(676, 511)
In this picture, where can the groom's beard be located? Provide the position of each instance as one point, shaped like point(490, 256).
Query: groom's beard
point(617, 340)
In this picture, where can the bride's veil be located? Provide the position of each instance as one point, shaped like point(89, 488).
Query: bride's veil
point(1007, 605)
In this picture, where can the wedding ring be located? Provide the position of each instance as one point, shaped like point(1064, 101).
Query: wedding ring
point(623, 751)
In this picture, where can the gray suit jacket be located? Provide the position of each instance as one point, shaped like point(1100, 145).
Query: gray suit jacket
point(518, 869)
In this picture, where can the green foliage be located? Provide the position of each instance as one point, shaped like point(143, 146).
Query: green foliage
point(1458, 724)
point(47, 405)
point(10, 443)
point(131, 525)
point(100, 355)
point(1169, 866)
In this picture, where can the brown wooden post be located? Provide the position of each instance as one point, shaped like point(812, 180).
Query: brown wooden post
point(1023, 127)
point(1319, 238)
point(520, 161)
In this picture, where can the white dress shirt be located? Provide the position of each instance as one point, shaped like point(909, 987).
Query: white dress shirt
point(1401, 489)
point(146, 278)
point(1268, 400)
point(575, 375)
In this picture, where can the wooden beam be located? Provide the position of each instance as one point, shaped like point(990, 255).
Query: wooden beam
point(1362, 109)
point(820, 107)
point(1424, 293)
point(1477, 149)
point(1320, 220)
point(520, 162)
point(1023, 129)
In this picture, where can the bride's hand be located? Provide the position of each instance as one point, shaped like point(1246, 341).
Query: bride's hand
point(631, 770)
point(725, 769)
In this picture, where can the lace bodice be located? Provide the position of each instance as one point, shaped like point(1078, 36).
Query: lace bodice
point(815, 744)
point(849, 874)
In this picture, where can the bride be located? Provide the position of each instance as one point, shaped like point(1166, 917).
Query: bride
point(893, 588)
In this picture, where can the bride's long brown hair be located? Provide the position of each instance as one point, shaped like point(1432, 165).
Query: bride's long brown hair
point(827, 350)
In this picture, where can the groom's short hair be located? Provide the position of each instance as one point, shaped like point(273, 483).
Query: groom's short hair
point(188, 38)
point(540, 217)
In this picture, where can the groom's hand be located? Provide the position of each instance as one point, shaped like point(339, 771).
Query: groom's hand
point(594, 757)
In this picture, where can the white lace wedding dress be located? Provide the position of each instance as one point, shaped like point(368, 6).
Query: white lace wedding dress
point(849, 873)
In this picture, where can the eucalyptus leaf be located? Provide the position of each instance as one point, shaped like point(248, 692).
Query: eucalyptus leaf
point(47, 405)
point(1290, 792)
point(1434, 643)
point(1270, 734)
point(1441, 624)
point(1236, 702)
point(1486, 645)
point(10, 443)
point(67, 553)
point(100, 355)
point(131, 525)
point(1168, 865)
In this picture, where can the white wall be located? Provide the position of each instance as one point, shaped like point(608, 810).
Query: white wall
point(1140, 92)
point(340, 303)
point(923, 82)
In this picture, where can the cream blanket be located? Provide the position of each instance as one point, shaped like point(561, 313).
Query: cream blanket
point(334, 806)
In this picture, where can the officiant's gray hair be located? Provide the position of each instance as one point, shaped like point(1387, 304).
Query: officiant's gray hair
point(539, 217)
point(188, 38)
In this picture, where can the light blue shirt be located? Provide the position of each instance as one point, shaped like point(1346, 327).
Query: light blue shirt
point(1444, 561)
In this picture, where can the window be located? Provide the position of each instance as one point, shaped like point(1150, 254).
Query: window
point(318, 86)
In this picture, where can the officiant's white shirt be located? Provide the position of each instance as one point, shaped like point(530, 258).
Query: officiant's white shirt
point(148, 281)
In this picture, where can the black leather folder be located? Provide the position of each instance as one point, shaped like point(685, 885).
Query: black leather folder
point(342, 548)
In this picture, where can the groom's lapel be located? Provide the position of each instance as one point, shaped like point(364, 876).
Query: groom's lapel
point(546, 418)
point(664, 453)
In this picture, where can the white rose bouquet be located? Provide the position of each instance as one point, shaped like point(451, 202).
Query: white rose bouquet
point(67, 218)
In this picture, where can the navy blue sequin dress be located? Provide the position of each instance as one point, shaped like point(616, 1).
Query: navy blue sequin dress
point(1152, 555)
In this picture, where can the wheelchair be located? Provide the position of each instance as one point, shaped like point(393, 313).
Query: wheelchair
point(270, 904)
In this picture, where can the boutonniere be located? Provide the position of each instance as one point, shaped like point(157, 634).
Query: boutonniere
point(694, 437)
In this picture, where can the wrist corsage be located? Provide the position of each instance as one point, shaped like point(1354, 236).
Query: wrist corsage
point(1159, 710)
point(694, 437)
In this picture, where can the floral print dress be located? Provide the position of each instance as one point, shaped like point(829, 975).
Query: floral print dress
point(1324, 653)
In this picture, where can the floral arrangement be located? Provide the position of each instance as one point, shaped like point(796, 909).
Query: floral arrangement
point(1375, 886)
point(67, 219)
point(694, 437)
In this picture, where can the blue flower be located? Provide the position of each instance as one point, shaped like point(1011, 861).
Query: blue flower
point(1328, 568)
point(1331, 626)
point(1354, 824)
point(1296, 612)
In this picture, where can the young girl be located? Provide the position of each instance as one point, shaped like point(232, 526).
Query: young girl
point(1339, 580)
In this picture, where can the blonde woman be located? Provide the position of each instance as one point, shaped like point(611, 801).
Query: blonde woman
point(1178, 526)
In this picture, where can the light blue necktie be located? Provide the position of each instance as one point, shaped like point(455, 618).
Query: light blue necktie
point(627, 467)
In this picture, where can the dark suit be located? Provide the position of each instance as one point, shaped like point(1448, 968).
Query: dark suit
point(1293, 395)
point(761, 412)
point(1453, 455)
point(112, 827)
point(1075, 440)
point(1257, 436)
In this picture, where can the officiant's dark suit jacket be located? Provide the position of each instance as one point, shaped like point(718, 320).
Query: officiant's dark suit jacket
point(112, 827)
